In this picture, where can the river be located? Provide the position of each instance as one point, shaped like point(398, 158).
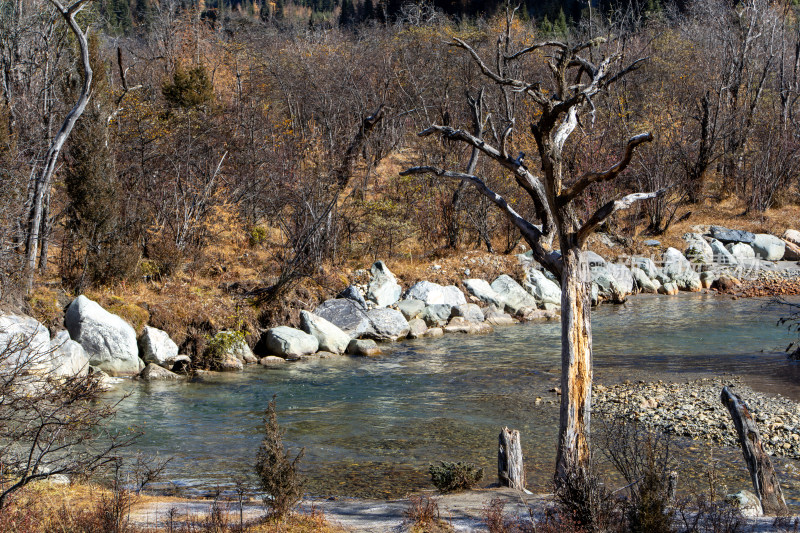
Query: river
point(371, 427)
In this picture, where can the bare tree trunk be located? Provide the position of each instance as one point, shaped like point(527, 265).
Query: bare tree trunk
point(576, 369)
point(42, 184)
point(510, 470)
point(765, 480)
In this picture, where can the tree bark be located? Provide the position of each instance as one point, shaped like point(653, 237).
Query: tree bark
point(765, 480)
point(510, 470)
point(576, 369)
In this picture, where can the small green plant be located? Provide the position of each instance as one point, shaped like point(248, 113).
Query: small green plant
point(452, 477)
point(258, 234)
point(221, 344)
point(277, 471)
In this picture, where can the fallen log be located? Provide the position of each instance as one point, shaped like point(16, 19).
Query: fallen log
point(765, 480)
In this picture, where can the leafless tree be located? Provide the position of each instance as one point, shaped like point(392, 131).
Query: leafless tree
point(42, 183)
point(49, 425)
point(575, 80)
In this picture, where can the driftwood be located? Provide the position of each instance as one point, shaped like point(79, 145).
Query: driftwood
point(765, 480)
point(510, 469)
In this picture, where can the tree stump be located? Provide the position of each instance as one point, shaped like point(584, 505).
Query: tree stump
point(765, 480)
point(510, 469)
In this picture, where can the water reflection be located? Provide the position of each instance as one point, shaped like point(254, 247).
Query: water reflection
point(370, 427)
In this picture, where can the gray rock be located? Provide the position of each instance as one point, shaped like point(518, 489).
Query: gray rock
point(271, 360)
point(542, 288)
point(436, 314)
point(647, 265)
point(410, 308)
point(604, 283)
point(459, 324)
point(156, 347)
point(623, 276)
point(768, 247)
point(434, 332)
point(387, 324)
point(697, 249)
point(741, 251)
point(721, 254)
point(433, 293)
point(67, 357)
point(670, 288)
point(347, 315)
point(416, 328)
point(688, 281)
point(731, 235)
point(109, 341)
point(707, 279)
point(383, 289)
point(329, 337)
point(675, 264)
point(290, 343)
point(229, 363)
point(497, 317)
point(792, 252)
point(353, 293)
point(747, 503)
point(513, 296)
point(792, 235)
point(593, 259)
point(643, 281)
point(651, 242)
point(25, 342)
point(470, 312)
point(363, 347)
point(154, 372)
point(241, 351)
point(481, 289)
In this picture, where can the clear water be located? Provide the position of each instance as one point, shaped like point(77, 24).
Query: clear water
point(371, 427)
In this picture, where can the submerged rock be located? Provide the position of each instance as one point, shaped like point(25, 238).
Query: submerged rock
point(363, 347)
point(154, 372)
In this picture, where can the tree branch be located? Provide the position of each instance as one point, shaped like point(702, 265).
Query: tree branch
point(531, 233)
point(608, 174)
point(612, 207)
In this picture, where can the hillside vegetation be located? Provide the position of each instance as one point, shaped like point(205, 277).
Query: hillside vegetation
point(237, 163)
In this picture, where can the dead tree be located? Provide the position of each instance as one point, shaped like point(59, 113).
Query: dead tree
point(575, 80)
point(42, 182)
point(765, 480)
point(510, 466)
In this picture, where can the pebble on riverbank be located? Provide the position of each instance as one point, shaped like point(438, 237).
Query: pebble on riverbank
point(694, 410)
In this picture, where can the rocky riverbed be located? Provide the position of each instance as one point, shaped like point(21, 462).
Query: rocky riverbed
point(693, 410)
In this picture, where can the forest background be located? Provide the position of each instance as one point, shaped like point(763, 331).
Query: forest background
point(213, 180)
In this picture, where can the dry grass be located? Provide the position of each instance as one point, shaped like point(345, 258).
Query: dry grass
point(78, 508)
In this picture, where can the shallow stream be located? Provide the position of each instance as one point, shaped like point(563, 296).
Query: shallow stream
point(371, 427)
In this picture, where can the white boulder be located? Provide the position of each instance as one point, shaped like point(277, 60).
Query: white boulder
point(109, 341)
